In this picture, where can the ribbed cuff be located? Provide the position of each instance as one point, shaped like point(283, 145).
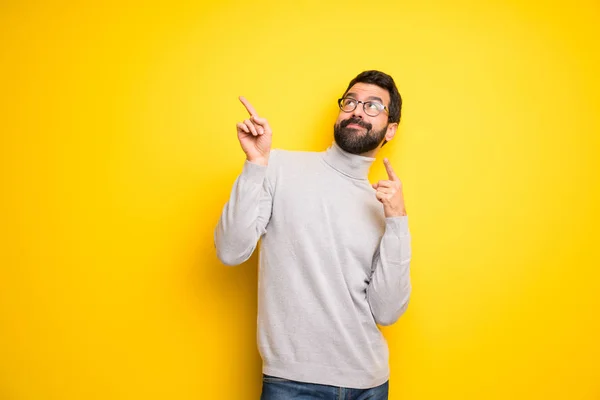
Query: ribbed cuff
point(398, 225)
point(254, 172)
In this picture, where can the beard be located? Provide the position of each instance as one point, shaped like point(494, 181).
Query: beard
point(352, 141)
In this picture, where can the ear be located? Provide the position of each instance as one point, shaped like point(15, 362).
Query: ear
point(391, 131)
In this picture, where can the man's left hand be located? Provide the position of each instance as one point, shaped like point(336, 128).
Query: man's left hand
point(389, 193)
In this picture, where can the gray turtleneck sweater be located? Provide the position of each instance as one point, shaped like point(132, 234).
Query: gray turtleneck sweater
point(331, 265)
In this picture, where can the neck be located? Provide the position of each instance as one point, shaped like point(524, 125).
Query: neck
point(370, 154)
point(353, 165)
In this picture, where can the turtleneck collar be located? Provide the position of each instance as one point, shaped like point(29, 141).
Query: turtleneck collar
point(352, 165)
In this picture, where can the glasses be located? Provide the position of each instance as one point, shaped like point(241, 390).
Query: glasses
point(371, 108)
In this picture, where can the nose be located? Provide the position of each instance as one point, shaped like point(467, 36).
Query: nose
point(358, 111)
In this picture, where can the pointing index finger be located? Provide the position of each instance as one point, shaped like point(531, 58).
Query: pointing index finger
point(248, 106)
point(390, 171)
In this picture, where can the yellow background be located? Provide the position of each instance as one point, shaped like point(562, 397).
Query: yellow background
point(118, 150)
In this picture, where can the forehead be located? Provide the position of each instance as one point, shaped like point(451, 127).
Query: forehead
point(367, 91)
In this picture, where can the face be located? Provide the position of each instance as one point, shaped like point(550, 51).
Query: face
point(355, 131)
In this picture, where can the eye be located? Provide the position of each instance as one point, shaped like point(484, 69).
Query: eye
point(348, 102)
point(371, 106)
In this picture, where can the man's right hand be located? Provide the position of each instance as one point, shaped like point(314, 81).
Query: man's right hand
point(255, 136)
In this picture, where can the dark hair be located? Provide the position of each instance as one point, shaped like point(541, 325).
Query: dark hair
point(386, 82)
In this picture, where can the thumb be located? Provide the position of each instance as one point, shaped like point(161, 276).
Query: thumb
point(375, 185)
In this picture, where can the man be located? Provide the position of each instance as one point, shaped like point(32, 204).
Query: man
point(335, 250)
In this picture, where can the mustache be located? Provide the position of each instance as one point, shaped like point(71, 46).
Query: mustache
point(356, 121)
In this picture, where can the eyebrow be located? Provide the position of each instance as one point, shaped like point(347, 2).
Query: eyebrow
point(351, 94)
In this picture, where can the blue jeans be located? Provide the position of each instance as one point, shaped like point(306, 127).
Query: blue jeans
point(283, 389)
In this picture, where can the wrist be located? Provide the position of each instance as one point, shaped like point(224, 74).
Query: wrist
point(394, 213)
point(264, 161)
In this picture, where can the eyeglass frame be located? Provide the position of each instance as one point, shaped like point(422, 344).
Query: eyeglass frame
point(364, 103)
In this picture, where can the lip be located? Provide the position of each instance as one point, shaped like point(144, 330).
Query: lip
point(353, 126)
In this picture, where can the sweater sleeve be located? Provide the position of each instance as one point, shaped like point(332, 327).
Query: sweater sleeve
point(389, 289)
point(245, 216)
